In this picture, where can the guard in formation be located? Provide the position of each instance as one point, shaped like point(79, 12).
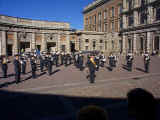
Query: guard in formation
point(129, 59)
point(33, 66)
point(146, 62)
point(17, 69)
point(4, 66)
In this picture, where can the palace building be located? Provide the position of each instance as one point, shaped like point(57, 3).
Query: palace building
point(18, 33)
point(141, 26)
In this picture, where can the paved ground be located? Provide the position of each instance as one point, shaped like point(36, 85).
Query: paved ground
point(61, 95)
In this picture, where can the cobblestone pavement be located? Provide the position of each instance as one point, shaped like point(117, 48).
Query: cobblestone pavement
point(68, 89)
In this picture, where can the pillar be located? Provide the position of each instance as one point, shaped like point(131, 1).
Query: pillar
point(58, 42)
point(0, 43)
point(150, 15)
point(3, 43)
point(135, 43)
point(148, 40)
point(15, 44)
point(124, 17)
point(44, 43)
point(67, 43)
point(136, 20)
point(124, 44)
point(33, 42)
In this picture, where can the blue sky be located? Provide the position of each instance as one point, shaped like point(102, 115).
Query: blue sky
point(51, 10)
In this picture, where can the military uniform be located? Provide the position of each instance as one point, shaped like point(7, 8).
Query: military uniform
point(34, 67)
point(92, 67)
point(23, 65)
point(41, 63)
point(129, 61)
point(49, 65)
point(146, 62)
point(4, 67)
point(17, 69)
point(111, 60)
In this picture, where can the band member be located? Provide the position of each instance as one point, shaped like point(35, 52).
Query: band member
point(57, 58)
point(65, 60)
point(111, 61)
point(17, 69)
point(129, 61)
point(146, 62)
point(92, 67)
point(62, 58)
point(23, 65)
point(102, 59)
point(4, 66)
point(41, 58)
point(80, 59)
point(33, 66)
point(49, 64)
point(97, 60)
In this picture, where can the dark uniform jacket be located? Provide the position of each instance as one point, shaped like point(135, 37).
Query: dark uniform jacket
point(17, 66)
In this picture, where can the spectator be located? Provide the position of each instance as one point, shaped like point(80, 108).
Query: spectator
point(92, 113)
point(141, 105)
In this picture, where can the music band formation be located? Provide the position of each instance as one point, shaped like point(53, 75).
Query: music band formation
point(88, 62)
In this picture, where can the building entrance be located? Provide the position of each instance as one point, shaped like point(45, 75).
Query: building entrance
point(72, 47)
point(9, 50)
point(157, 44)
point(51, 45)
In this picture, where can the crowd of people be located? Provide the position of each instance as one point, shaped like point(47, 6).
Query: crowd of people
point(91, 62)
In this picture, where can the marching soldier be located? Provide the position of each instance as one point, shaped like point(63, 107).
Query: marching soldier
point(17, 68)
point(65, 60)
point(92, 67)
point(129, 61)
point(41, 63)
point(146, 62)
point(97, 60)
point(33, 66)
point(57, 59)
point(102, 59)
point(4, 66)
point(49, 64)
point(23, 65)
point(111, 60)
point(80, 59)
point(62, 58)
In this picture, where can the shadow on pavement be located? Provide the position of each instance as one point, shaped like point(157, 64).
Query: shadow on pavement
point(140, 69)
point(29, 106)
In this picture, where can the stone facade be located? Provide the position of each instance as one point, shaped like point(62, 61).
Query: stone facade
point(141, 26)
point(18, 33)
point(104, 17)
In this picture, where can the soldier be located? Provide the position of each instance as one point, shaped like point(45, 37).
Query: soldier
point(69, 59)
point(4, 66)
point(41, 63)
point(97, 60)
point(92, 67)
point(33, 66)
point(102, 59)
point(23, 65)
point(80, 59)
point(129, 61)
point(65, 60)
point(111, 59)
point(146, 62)
point(17, 68)
point(62, 58)
point(49, 64)
point(57, 59)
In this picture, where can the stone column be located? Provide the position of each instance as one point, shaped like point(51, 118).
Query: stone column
point(150, 15)
point(124, 5)
point(148, 40)
point(4, 42)
point(136, 18)
point(124, 21)
point(67, 43)
point(124, 44)
point(15, 44)
point(58, 42)
point(44, 43)
point(33, 42)
point(0, 43)
point(135, 43)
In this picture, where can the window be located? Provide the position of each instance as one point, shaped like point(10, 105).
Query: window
point(112, 25)
point(105, 27)
point(120, 8)
point(130, 19)
point(158, 13)
point(94, 45)
point(87, 40)
point(120, 23)
point(101, 41)
point(86, 47)
point(99, 17)
point(105, 45)
point(112, 44)
point(143, 17)
point(112, 11)
point(105, 14)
